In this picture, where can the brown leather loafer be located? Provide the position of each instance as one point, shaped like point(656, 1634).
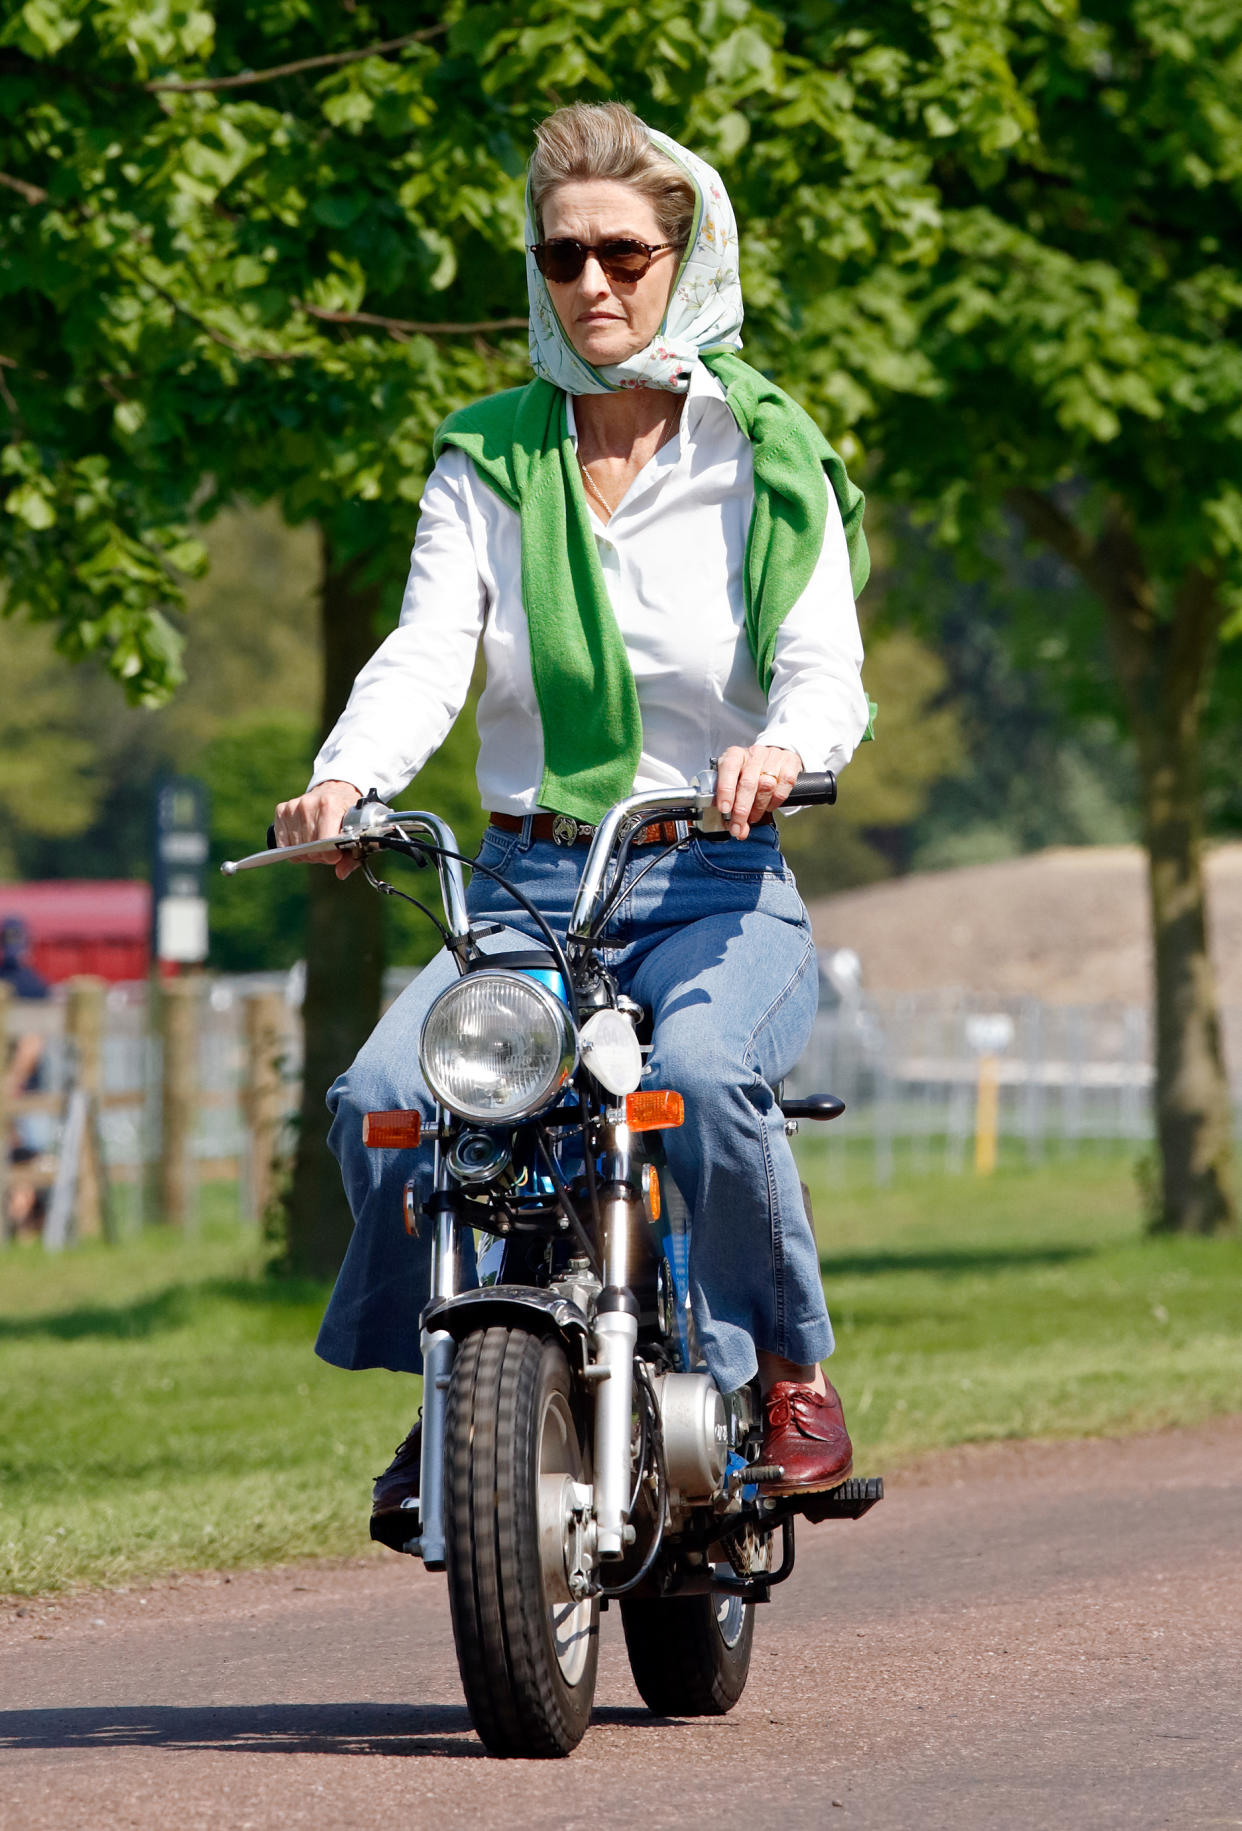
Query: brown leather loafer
point(394, 1498)
point(805, 1433)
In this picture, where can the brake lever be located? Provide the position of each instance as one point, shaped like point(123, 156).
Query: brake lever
point(279, 855)
point(362, 823)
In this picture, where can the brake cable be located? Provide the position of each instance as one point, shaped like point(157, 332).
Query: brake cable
point(653, 1550)
point(620, 891)
point(566, 1206)
point(386, 889)
point(524, 902)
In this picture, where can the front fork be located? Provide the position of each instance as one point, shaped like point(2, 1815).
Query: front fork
point(614, 1339)
point(438, 1348)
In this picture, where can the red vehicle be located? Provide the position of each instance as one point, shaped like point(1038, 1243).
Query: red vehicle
point(100, 926)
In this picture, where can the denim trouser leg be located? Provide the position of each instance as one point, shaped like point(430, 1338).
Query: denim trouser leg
point(733, 1001)
point(372, 1318)
point(715, 942)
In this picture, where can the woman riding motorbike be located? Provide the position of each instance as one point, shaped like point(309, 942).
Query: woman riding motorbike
point(660, 554)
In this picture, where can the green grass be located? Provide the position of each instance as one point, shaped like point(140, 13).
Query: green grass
point(163, 1410)
point(1026, 1304)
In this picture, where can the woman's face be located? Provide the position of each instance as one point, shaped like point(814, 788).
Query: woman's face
point(608, 320)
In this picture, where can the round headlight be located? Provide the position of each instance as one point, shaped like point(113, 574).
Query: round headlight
point(497, 1046)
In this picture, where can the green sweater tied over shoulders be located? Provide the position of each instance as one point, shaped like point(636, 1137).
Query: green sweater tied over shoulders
point(520, 446)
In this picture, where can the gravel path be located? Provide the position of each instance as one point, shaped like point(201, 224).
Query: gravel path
point(1020, 1635)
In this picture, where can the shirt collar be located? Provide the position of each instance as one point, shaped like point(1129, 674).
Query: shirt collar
point(704, 397)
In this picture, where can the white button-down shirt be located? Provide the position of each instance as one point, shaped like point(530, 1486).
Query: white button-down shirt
point(673, 558)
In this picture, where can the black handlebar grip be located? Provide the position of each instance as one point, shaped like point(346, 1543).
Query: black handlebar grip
point(814, 1106)
point(814, 788)
point(271, 839)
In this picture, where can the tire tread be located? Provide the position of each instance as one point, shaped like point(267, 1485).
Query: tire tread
point(517, 1695)
point(679, 1662)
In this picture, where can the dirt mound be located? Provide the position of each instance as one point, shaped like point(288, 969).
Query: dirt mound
point(1069, 926)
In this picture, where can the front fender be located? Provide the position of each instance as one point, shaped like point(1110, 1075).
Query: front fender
point(499, 1305)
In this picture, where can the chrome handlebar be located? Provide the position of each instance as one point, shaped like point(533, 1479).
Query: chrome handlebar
point(368, 824)
point(619, 825)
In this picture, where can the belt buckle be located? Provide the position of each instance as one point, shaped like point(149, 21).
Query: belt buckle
point(566, 831)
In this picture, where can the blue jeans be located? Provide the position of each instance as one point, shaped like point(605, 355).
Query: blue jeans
point(716, 944)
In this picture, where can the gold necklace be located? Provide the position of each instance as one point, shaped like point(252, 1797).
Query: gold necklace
point(669, 432)
point(593, 487)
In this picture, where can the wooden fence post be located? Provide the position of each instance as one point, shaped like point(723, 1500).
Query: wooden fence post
point(178, 1016)
point(84, 1026)
point(263, 1101)
point(5, 1139)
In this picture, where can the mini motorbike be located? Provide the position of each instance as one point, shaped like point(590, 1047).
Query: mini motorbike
point(575, 1450)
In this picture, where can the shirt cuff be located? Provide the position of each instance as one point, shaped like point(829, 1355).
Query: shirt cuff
point(365, 775)
point(781, 736)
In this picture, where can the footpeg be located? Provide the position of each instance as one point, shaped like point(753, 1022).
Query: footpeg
point(759, 1471)
point(850, 1500)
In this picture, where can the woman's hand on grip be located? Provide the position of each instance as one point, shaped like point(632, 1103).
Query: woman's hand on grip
point(750, 783)
point(318, 815)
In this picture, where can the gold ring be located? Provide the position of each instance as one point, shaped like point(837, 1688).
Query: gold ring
point(766, 775)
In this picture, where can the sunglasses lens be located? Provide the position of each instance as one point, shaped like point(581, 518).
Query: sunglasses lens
point(624, 260)
point(560, 261)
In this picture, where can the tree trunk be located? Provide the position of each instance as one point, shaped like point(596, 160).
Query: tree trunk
point(1164, 664)
point(1165, 667)
point(344, 955)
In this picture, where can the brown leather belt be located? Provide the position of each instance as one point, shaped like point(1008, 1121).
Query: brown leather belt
point(564, 830)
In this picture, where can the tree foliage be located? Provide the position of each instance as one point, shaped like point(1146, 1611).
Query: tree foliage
point(995, 247)
point(222, 288)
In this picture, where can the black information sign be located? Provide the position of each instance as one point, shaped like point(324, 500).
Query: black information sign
point(178, 862)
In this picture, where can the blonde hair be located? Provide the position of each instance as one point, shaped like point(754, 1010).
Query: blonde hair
point(607, 140)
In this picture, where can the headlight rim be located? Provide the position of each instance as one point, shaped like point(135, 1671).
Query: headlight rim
point(554, 1006)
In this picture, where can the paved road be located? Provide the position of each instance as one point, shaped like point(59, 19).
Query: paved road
point(1019, 1636)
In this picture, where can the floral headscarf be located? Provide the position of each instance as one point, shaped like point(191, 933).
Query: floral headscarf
point(704, 310)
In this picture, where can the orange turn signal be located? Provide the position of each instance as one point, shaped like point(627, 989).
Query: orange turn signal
point(653, 1112)
point(397, 1131)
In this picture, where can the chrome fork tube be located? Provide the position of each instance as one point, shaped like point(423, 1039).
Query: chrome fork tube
point(615, 1337)
point(437, 1346)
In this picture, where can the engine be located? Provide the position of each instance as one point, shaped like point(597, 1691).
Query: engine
point(696, 1436)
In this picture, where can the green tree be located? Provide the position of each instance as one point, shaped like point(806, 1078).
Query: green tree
point(1079, 363)
point(258, 921)
point(47, 778)
point(1046, 759)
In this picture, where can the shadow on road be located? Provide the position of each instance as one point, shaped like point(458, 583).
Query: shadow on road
point(252, 1729)
point(267, 1729)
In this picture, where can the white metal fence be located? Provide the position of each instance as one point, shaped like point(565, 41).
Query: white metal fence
point(913, 1071)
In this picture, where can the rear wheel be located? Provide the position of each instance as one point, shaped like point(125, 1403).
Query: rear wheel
point(690, 1656)
point(527, 1648)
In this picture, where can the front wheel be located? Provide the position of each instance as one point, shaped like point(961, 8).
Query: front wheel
point(527, 1649)
point(690, 1655)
